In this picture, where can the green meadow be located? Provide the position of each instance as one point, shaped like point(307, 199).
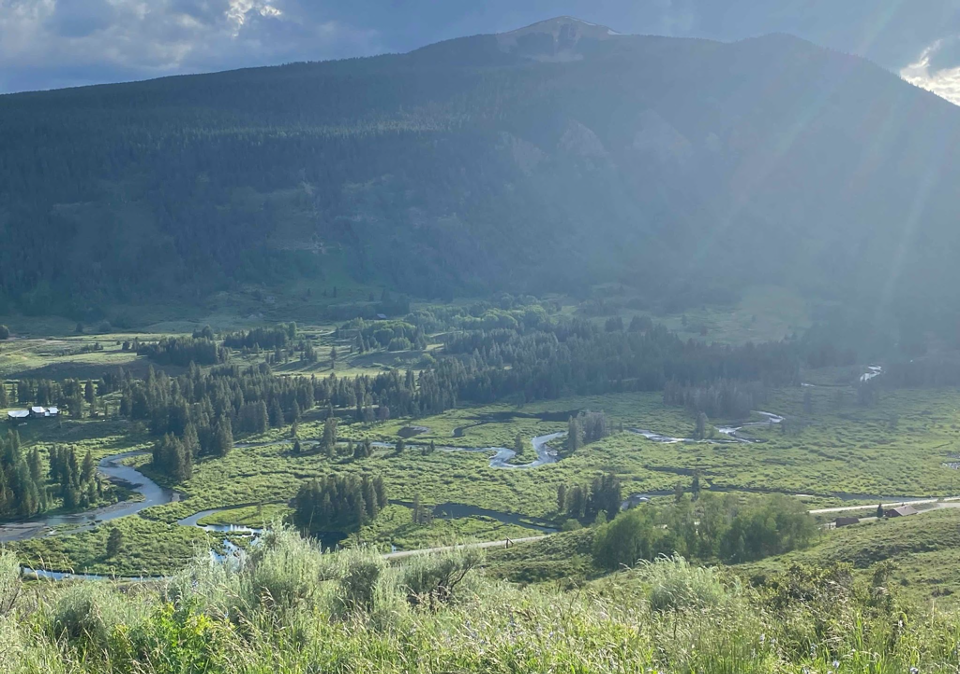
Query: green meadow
point(827, 454)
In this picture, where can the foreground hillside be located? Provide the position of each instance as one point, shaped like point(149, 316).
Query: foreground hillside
point(289, 609)
point(553, 157)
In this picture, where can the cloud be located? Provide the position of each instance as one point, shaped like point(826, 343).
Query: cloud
point(80, 18)
point(50, 43)
point(937, 69)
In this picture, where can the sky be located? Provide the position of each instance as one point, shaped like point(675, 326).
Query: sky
point(47, 44)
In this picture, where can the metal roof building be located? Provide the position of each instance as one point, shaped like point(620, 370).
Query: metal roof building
point(902, 511)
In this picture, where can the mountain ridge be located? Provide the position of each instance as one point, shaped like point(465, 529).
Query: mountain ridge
point(688, 168)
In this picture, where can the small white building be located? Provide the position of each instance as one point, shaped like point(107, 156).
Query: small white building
point(17, 415)
point(44, 412)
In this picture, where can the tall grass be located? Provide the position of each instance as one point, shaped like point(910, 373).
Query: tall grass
point(288, 608)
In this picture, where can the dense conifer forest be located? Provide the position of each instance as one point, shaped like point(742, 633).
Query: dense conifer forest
point(472, 166)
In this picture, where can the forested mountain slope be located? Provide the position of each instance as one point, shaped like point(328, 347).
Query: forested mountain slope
point(556, 156)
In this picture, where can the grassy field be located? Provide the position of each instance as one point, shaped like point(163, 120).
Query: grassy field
point(895, 449)
point(920, 552)
point(293, 610)
point(67, 357)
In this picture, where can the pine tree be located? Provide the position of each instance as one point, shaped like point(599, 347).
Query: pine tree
point(370, 497)
point(380, 490)
point(574, 435)
point(224, 437)
point(191, 442)
point(330, 434)
point(519, 446)
point(261, 418)
point(417, 510)
point(36, 467)
point(114, 542)
point(700, 432)
point(276, 414)
point(87, 469)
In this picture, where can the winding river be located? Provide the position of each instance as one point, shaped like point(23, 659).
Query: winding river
point(732, 434)
point(502, 456)
point(115, 471)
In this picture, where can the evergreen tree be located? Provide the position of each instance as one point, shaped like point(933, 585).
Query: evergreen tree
point(36, 466)
point(88, 468)
point(191, 442)
point(261, 418)
point(380, 491)
point(417, 510)
point(224, 437)
point(276, 414)
point(700, 432)
point(370, 499)
point(574, 435)
point(519, 445)
point(330, 434)
point(114, 542)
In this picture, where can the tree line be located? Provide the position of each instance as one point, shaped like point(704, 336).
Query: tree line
point(182, 351)
point(724, 398)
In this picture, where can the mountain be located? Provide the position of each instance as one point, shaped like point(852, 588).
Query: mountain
point(553, 157)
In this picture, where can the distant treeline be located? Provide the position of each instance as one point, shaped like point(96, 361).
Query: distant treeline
point(575, 357)
point(725, 398)
point(182, 351)
point(264, 338)
point(389, 335)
